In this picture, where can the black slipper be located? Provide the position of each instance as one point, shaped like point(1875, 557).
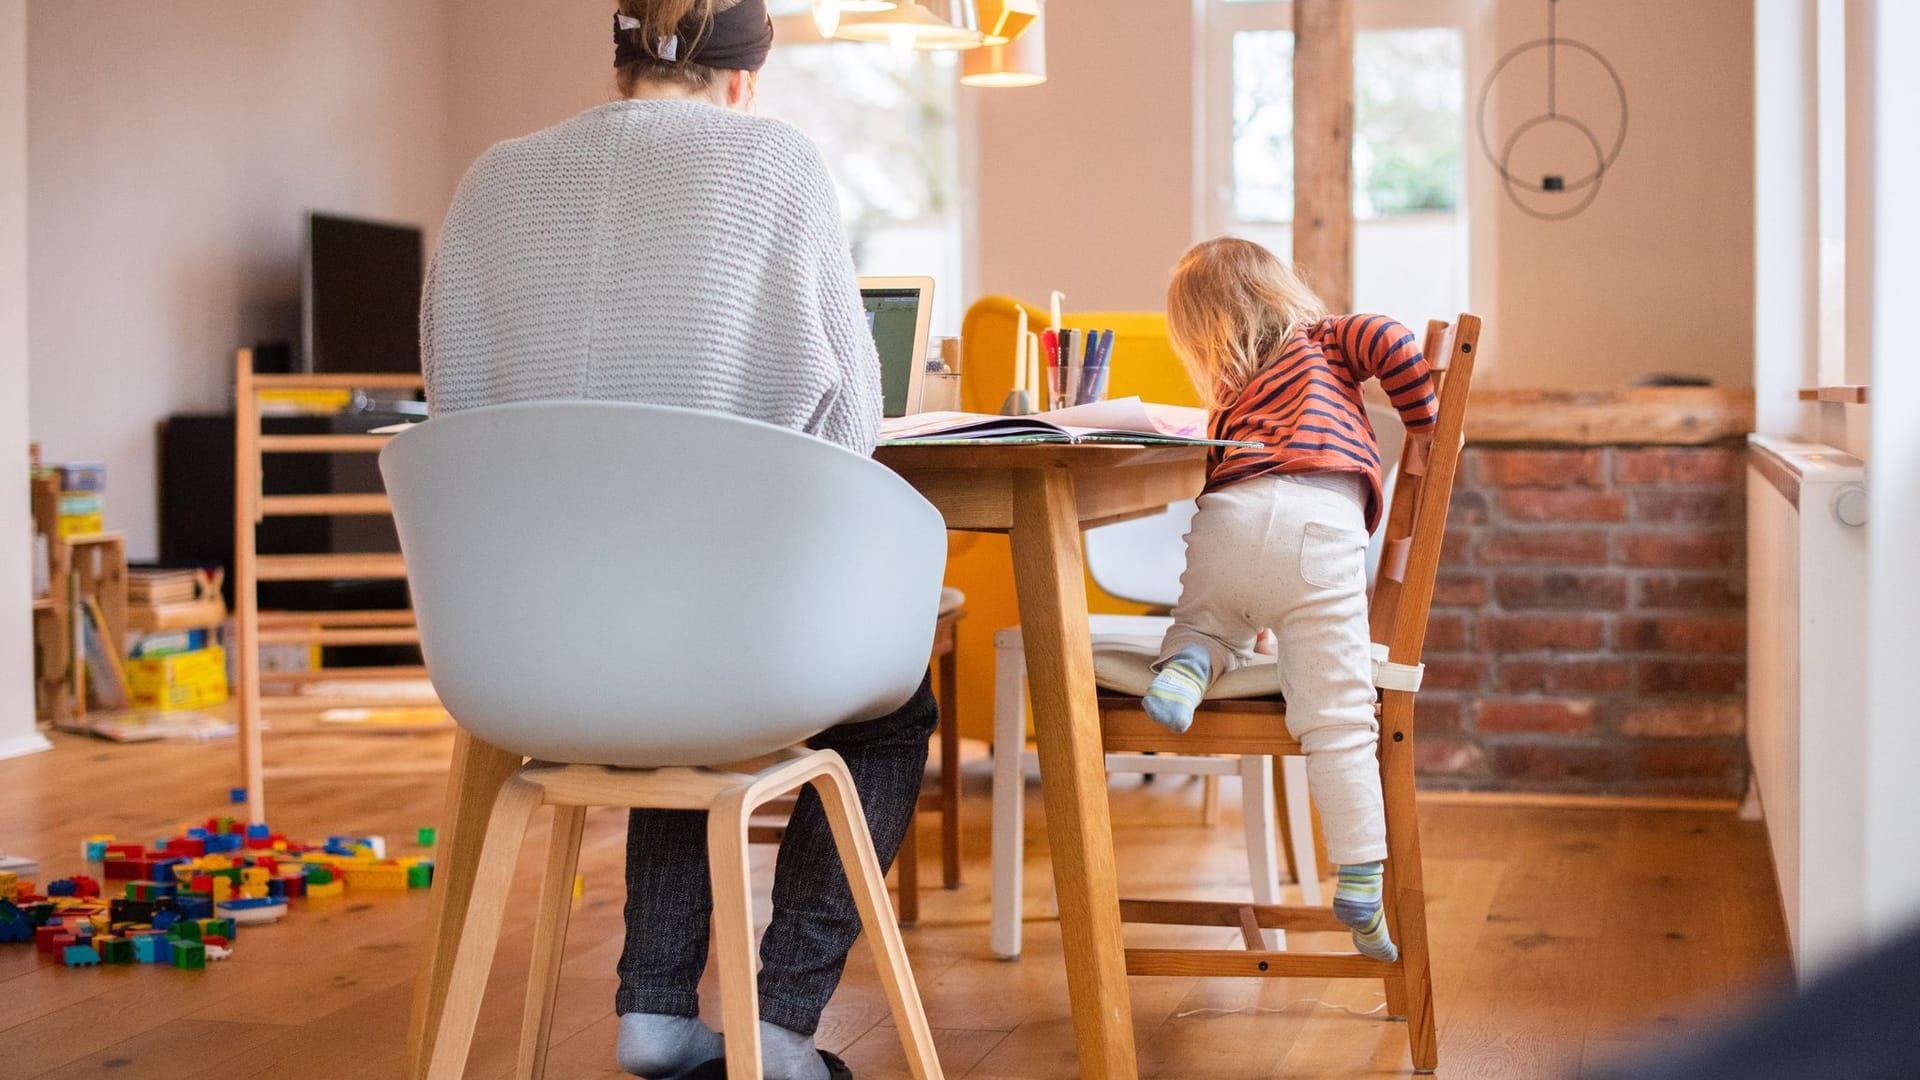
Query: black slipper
point(717, 1069)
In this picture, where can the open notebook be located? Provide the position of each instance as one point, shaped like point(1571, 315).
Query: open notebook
point(1125, 420)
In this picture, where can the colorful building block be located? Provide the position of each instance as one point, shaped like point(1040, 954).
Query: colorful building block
point(420, 875)
point(189, 955)
point(425, 836)
point(246, 912)
point(383, 878)
point(80, 956)
point(94, 848)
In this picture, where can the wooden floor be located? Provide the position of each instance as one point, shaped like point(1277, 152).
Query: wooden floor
point(1564, 938)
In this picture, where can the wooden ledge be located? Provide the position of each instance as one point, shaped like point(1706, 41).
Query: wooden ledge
point(1605, 416)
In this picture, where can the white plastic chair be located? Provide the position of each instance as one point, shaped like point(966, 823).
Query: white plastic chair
point(1142, 560)
point(632, 595)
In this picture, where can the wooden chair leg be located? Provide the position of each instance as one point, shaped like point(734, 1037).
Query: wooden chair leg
point(906, 872)
point(550, 939)
point(950, 770)
point(855, 843)
point(1402, 886)
point(733, 946)
point(1210, 800)
point(480, 931)
point(473, 782)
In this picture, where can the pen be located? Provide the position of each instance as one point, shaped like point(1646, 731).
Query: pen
point(1090, 371)
point(1055, 368)
point(1070, 393)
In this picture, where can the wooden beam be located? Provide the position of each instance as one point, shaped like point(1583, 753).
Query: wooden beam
point(1606, 416)
point(1323, 148)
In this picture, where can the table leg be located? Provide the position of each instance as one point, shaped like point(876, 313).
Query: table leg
point(1050, 575)
point(473, 782)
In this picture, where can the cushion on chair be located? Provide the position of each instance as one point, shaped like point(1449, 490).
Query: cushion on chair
point(1128, 668)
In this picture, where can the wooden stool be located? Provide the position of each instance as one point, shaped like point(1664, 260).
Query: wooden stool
point(728, 798)
point(1403, 592)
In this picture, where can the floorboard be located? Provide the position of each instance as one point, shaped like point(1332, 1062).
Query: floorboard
point(1564, 938)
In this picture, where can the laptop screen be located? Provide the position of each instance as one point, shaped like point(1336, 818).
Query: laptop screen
point(893, 317)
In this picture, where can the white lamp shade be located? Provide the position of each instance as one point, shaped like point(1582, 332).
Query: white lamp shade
point(1020, 62)
point(928, 24)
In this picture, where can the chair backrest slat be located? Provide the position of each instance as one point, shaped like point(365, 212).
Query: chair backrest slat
point(1417, 518)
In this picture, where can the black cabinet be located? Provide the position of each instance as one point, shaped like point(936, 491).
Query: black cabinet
point(196, 513)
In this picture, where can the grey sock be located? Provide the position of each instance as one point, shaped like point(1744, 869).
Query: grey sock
point(789, 1055)
point(1178, 689)
point(657, 1046)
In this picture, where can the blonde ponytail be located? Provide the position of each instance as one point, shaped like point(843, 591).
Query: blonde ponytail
point(1231, 307)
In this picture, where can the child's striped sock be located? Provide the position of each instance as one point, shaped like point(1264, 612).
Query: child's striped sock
point(1356, 902)
point(1177, 690)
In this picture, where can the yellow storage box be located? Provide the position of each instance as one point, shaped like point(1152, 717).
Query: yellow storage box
point(189, 680)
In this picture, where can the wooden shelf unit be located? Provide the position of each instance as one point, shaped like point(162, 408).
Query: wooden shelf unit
point(80, 568)
point(254, 627)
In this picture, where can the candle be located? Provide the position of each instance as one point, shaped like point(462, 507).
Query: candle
point(1020, 350)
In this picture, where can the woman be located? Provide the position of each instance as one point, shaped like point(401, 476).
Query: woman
point(671, 248)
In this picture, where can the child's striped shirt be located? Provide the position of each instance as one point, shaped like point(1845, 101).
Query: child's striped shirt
point(1305, 405)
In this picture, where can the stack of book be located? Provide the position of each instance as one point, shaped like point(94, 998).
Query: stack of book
point(163, 598)
point(154, 586)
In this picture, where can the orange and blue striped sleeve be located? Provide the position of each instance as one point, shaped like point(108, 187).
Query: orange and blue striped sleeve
point(1376, 347)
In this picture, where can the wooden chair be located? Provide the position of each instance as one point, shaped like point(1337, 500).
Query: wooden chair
point(1403, 592)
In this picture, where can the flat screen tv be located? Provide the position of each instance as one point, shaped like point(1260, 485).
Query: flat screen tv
point(360, 295)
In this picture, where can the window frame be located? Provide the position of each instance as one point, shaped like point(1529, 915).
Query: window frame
point(1216, 23)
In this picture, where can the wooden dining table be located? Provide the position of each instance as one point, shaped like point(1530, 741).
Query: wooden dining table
point(1041, 496)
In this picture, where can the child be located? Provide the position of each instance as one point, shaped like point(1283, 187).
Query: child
point(1280, 538)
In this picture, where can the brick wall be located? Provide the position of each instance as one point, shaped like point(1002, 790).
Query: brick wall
point(1589, 624)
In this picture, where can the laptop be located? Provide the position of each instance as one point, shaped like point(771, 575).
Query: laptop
point(899, 310)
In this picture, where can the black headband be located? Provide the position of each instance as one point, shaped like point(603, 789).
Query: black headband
point(737, 38)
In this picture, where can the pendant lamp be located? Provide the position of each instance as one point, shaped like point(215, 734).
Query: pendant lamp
point(924, 24)
point(1004, 20)
point(826, 13)
point(1020, 62)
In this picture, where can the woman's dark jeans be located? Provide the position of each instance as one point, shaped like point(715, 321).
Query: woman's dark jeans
point(670, 902)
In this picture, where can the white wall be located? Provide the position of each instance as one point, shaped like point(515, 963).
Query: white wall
point(174, 153)
point(1893, 531)
point(17, 734)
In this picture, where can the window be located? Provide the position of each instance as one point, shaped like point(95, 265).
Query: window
point(1410, 236)
point(884, 119)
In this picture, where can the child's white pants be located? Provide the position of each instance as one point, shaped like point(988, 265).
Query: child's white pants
point(1289, 553)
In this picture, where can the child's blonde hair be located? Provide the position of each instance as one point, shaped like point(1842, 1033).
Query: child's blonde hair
point(1230, 307)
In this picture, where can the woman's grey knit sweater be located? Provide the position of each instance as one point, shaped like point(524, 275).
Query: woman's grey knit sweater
point(665, 252)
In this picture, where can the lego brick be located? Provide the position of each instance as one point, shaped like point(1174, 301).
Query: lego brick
point(385, 878)
point(80, 956)
point(420, 875)
point(189, 955)
point(425, 836)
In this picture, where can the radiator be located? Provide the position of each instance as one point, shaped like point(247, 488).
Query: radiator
point(1806, 668)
